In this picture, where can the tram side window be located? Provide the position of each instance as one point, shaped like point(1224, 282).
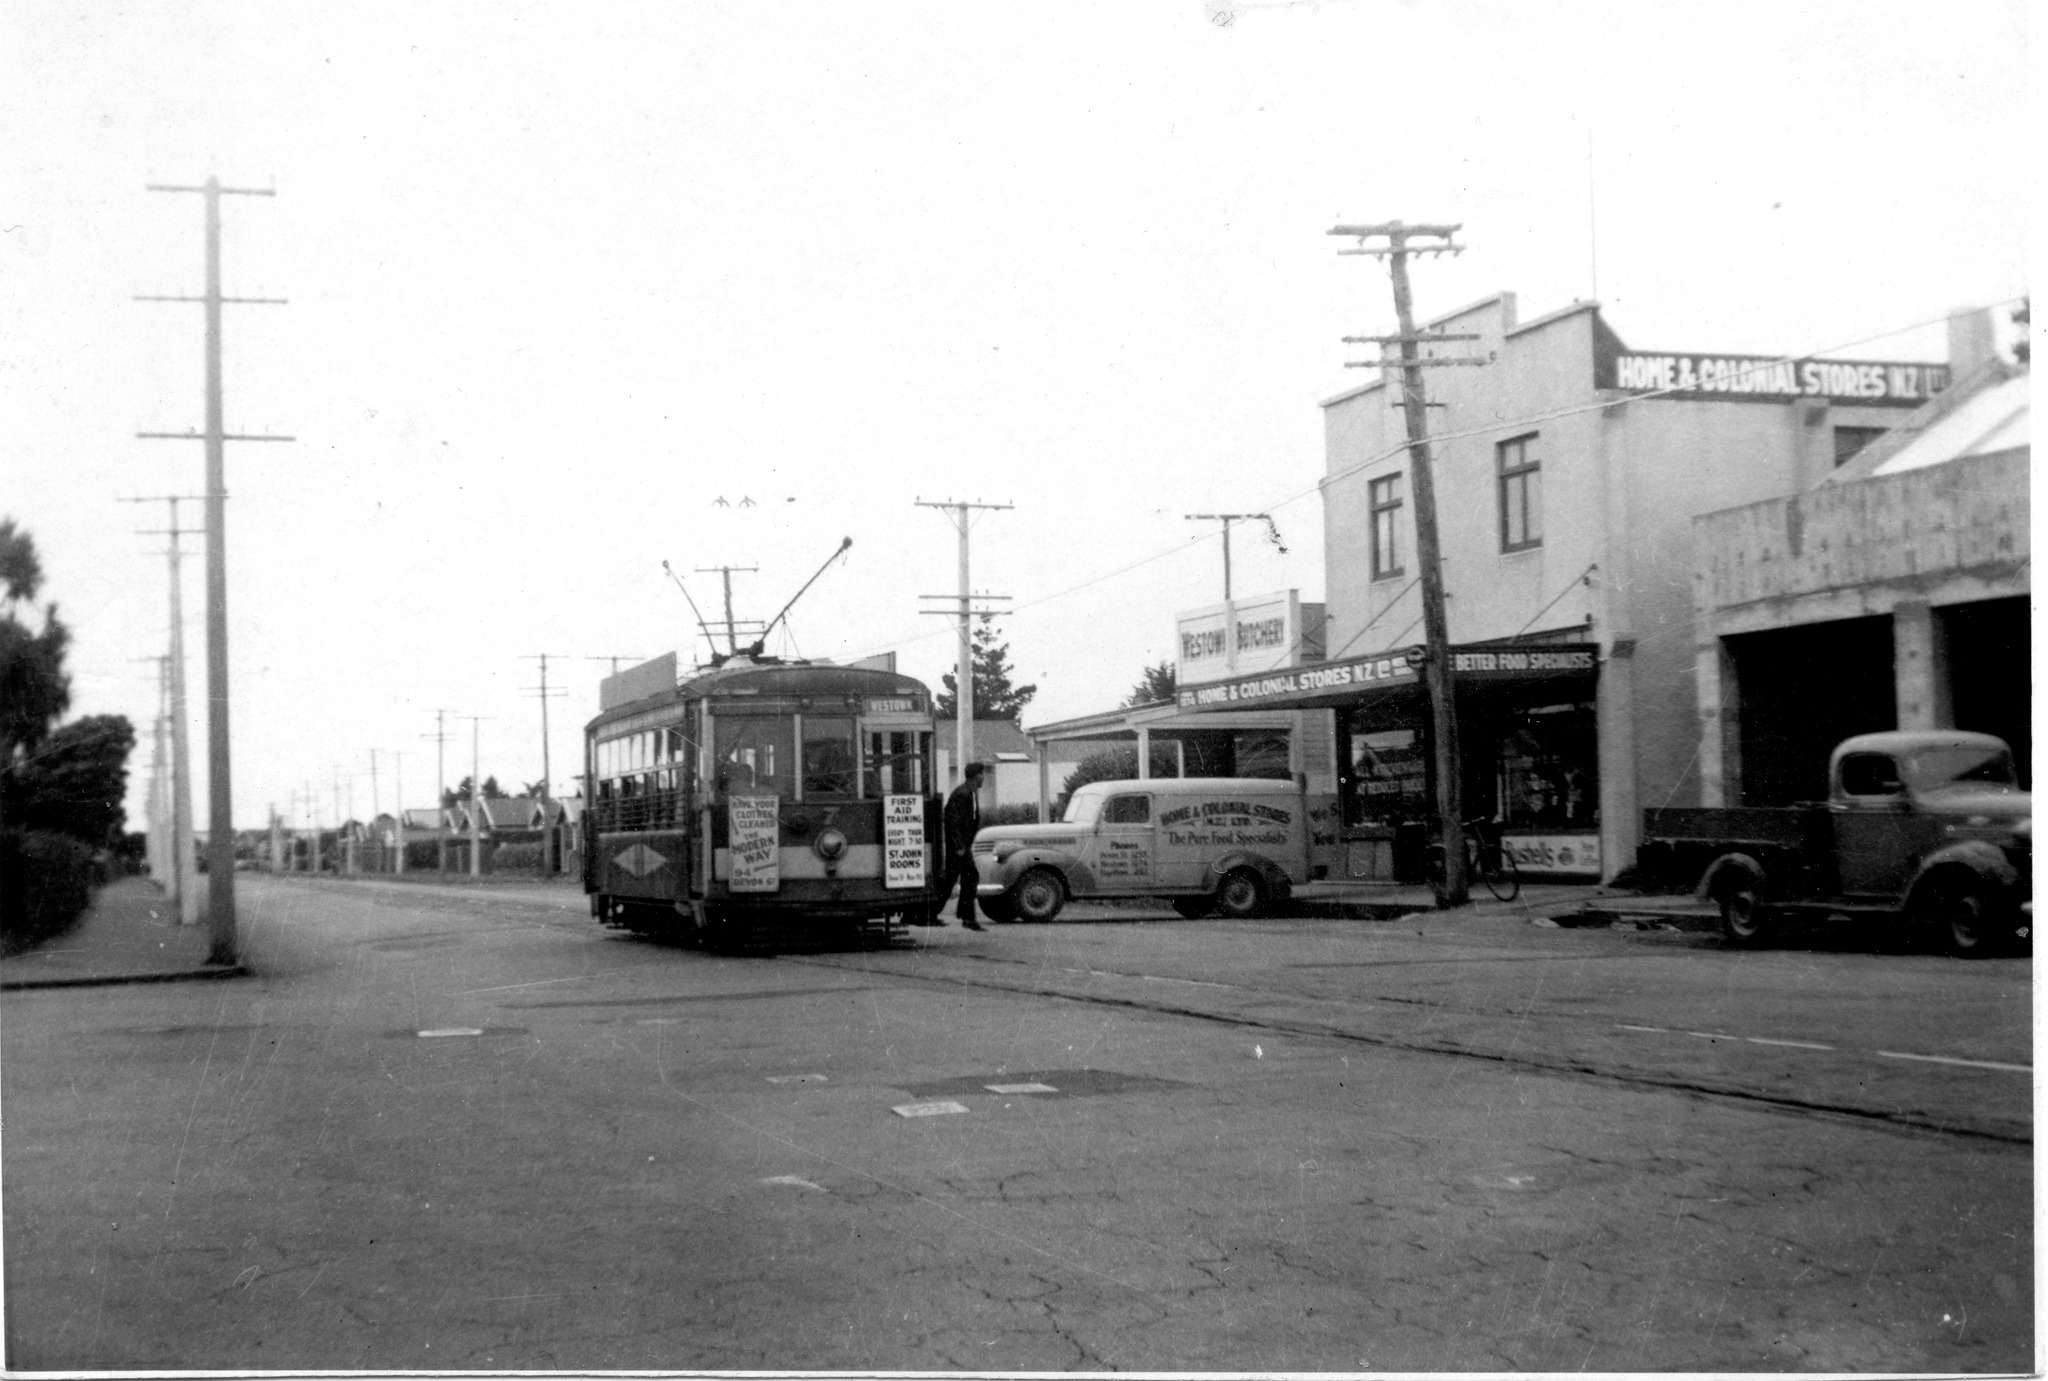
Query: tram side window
point(828, 757)
point(896, 762)
point(753, 754)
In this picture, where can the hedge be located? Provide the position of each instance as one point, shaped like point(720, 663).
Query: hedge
point(46, 882)
point(515, 858)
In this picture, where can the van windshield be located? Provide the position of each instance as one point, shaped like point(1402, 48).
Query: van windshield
point(1082, 810)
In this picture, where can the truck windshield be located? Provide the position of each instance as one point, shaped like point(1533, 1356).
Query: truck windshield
point(1082, 810)
point(1956, 769)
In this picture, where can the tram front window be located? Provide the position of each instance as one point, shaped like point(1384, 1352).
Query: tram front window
point(828, 758)
point(753, 755)
point(896, 763)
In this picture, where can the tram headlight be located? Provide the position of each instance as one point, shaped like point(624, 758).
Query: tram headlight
point(830, 845)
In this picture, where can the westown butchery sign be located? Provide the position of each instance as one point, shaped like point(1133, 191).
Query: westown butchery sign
point(1761, 379)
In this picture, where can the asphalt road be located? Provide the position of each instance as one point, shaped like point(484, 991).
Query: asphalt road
point(469, 1129)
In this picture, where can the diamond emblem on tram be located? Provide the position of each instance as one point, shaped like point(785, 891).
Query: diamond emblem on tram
point(639, 860)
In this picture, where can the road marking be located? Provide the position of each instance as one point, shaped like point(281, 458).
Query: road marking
point(795, 1181)
point(1816, 1045)
point(1020, 1088)
point(796, 1078)
point(1951, 1060)
point(928, 1109)
point(452, 1031)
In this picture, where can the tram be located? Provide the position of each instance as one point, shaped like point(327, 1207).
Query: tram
point(761, 793)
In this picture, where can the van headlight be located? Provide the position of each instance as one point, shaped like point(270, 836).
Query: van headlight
point(830, 845)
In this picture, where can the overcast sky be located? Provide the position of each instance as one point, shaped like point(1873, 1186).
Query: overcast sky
point(561, 276)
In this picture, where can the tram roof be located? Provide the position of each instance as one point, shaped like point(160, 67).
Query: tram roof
point(783, 679)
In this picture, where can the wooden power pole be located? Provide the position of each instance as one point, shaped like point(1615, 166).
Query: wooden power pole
point(1395, 244)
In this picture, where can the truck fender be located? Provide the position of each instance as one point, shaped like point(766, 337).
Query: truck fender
point(1976, 856)
point(1272, 874)
point(1727, 871)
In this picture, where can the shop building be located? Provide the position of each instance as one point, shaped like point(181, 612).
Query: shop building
point(1893, 594)
point(1569, 470)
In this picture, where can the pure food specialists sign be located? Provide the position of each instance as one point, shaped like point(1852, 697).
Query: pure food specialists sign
point(1761, 379)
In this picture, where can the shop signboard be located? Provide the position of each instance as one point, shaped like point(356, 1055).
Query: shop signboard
point(1554, 853)
point(1247, 636)
point(1697, 377)
point(1390, 669)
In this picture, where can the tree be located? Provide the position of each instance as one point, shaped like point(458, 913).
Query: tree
point(34, 689)
point(994, 695)
point(1114, 765)
point(459, 793)
point(76, 780)
point(1156, 685)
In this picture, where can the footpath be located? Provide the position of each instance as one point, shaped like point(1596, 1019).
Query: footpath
point(130, 934)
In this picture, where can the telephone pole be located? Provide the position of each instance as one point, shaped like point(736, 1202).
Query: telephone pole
point(547, 788)
point(476, 796)
point(960, 514)
point(220, 838)
point(1407, 357)
point(440, 738)
point(1227, 519)
point(184, 888)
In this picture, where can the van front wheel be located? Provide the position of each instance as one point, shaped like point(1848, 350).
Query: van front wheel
point(1039, 895)
point(1241, 895)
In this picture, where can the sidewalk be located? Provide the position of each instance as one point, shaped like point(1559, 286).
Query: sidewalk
point(128, 935)
point(1340, 899)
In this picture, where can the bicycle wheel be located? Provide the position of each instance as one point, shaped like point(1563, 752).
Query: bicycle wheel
point(1497, 869)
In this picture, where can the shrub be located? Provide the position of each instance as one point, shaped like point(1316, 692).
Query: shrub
point(422, 855)
point(1018, 813)
point(515, 858)
point(46, 882)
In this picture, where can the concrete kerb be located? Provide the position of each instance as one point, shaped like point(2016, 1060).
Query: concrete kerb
point(204, 973)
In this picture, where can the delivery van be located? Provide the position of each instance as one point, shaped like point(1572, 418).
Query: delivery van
point(1234, 845)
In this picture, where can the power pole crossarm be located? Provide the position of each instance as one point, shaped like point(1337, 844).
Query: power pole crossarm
point(963, 672)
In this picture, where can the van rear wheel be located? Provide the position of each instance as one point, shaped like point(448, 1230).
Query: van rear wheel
point(1039, 895)
point(1241, 895)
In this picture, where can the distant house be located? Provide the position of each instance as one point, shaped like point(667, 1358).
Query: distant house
point(1012, 761)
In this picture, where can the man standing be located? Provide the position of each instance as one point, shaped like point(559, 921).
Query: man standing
point(963, 818)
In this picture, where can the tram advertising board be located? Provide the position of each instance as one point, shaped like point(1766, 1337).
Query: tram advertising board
point(902, 841)
point(753, 828)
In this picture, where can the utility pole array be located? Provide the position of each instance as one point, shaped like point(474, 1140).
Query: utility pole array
point(1398, 242)
point(959, 513)
point(220, 838)
point(182, 885)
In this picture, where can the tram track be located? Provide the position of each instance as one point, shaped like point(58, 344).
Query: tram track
point(1515, 1056)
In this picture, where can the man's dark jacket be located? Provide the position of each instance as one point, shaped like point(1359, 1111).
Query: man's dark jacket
point(963, 817)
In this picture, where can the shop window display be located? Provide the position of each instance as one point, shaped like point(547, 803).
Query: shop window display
point(1548, 769)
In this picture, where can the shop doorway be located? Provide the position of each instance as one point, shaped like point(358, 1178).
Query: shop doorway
point(1988, 647)
point(1801, 691)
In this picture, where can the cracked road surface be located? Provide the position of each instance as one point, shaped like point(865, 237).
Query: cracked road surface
point(1446, 1143)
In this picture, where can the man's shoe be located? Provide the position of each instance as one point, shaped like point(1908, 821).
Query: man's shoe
point(973, 924)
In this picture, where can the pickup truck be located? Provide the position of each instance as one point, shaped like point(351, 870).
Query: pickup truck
point(1928, 827)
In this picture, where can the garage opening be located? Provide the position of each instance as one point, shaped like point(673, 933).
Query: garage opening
point(1803, 690)
point(1988, 648)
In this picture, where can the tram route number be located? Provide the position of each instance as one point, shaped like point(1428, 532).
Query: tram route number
point(753, 823)
point(902, 841)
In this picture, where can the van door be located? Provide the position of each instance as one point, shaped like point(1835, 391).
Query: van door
point(1123, 843)
point(1182, 847)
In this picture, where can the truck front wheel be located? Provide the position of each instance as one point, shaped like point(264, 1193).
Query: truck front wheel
point(1745, 920)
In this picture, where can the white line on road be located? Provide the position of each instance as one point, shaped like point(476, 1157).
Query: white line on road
point(928, 1109)
point(1950, 1060)
point(1816, 1045)
point(537, 983)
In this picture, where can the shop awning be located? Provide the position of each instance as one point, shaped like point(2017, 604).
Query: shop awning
point(1359, 679)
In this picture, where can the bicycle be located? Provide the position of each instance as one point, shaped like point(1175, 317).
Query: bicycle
point(1486, 857)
